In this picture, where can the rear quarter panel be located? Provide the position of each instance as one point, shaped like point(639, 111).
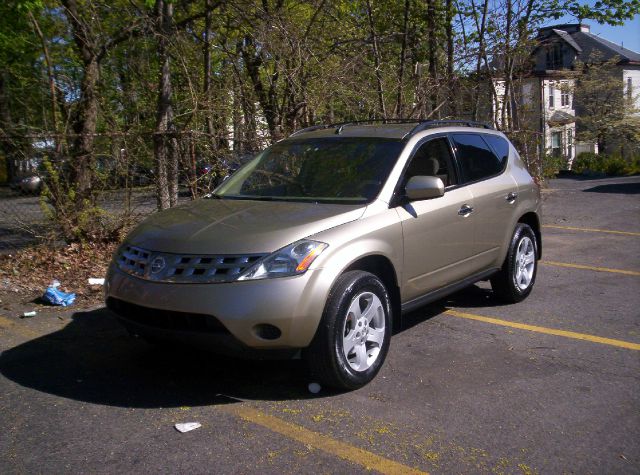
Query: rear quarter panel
point(529, 199)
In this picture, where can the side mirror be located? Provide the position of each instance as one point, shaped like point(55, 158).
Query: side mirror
point(424, 188)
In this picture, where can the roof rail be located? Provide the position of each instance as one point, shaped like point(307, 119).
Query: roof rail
point(422, 124)
point(310, 129)
point(430, 124)
point(340, 125)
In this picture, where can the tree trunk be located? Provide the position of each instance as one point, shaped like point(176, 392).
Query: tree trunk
point(7, 144)
point(253, 63)
point(85, 128)
point(86, 117)
point(505, 120)
point(207, 67)
point(481, 29)
point(51, 79)
point(399, 112)
point(165, 150)
point(432, 42)
point(451, 83)
point(376, 61)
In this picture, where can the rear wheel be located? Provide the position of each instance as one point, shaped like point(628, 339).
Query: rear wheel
point(352, 340)
point(518, 274)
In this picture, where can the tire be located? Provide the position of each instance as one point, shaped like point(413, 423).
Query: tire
point(515, 280)
point(353, 337)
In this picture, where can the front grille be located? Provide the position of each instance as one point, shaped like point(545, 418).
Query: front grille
point(133, 260)
point(184, 268)
point(166, 319)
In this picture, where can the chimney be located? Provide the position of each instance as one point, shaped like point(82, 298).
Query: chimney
point(585, 28)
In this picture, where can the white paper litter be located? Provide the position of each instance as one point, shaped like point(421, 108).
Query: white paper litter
point(95, 281)
point(187, 426)
point(29, 314)
point(314, 388)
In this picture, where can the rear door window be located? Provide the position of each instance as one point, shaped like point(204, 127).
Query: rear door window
point(476, 158)
point(499, 145)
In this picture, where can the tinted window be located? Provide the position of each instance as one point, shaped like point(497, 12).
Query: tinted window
point(475, 157)
point(500, 146)
point(433, 158)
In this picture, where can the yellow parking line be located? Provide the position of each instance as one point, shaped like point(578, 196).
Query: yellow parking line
point(591, 230)
point(597, 269)
point(368, 460)
point(549, 331)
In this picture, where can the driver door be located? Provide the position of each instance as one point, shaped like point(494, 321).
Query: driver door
point(438, 235)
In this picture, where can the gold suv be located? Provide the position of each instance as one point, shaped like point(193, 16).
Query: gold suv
point(326, 238)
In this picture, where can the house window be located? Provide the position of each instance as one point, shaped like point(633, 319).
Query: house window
point(570, 143)
point(556, 144)
point(552, 91)
point(564, 95)
point(629, 89)
point(554, 56)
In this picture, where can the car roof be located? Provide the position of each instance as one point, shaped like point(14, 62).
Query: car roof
point(392, 130)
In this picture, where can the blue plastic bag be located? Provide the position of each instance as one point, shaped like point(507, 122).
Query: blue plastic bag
point(57, 297)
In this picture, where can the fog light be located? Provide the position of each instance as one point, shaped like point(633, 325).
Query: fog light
point(267, 332)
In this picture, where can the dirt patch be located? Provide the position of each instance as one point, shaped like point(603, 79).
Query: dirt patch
point(25, 274)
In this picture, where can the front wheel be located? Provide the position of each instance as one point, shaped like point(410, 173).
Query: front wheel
point(353, 337)
point(518, 274)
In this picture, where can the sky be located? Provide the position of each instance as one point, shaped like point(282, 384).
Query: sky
point(628, 34)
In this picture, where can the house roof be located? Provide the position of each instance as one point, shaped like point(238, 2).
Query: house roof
point(590, 43)
point(579, 37)
point(567, 37)
point(561, 118)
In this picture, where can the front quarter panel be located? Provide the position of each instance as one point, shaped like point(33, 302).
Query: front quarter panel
point(378, 232)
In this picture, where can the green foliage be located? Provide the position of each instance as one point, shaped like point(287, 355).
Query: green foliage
point(313, 62)
point(613, 165)
point(606, 117)
point(586, 161)
point(551, 166)
point(611, 12)
point(83, 221)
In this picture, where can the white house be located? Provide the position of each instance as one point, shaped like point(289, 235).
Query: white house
point(546, 91)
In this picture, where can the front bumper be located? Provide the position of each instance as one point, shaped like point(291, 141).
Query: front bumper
point(292, 304)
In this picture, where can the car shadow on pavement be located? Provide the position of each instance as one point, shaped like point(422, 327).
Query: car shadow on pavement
point(93, 359)
point(469, 297)
point(474, 296)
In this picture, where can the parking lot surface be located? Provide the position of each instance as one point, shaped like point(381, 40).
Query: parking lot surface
point(550, 385)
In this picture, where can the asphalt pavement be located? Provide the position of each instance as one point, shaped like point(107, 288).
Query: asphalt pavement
point(550, 385)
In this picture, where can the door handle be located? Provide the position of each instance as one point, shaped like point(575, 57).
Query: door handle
point(465, 210)
point(511, 197)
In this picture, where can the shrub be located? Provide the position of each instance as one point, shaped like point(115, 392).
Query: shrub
point(551, 166)
point(77, 219)
point(614, 166)
point(607, 164)
point(586, 161)
point(634, 166)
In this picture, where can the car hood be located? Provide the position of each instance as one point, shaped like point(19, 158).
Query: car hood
point(212, 226)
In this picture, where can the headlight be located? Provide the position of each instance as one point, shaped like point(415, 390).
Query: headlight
point(294, 259)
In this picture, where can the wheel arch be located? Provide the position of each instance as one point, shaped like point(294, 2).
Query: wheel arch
point(533, 221)
point(383, 268)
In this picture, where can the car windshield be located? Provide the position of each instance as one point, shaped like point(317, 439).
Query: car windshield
point(334, 169)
